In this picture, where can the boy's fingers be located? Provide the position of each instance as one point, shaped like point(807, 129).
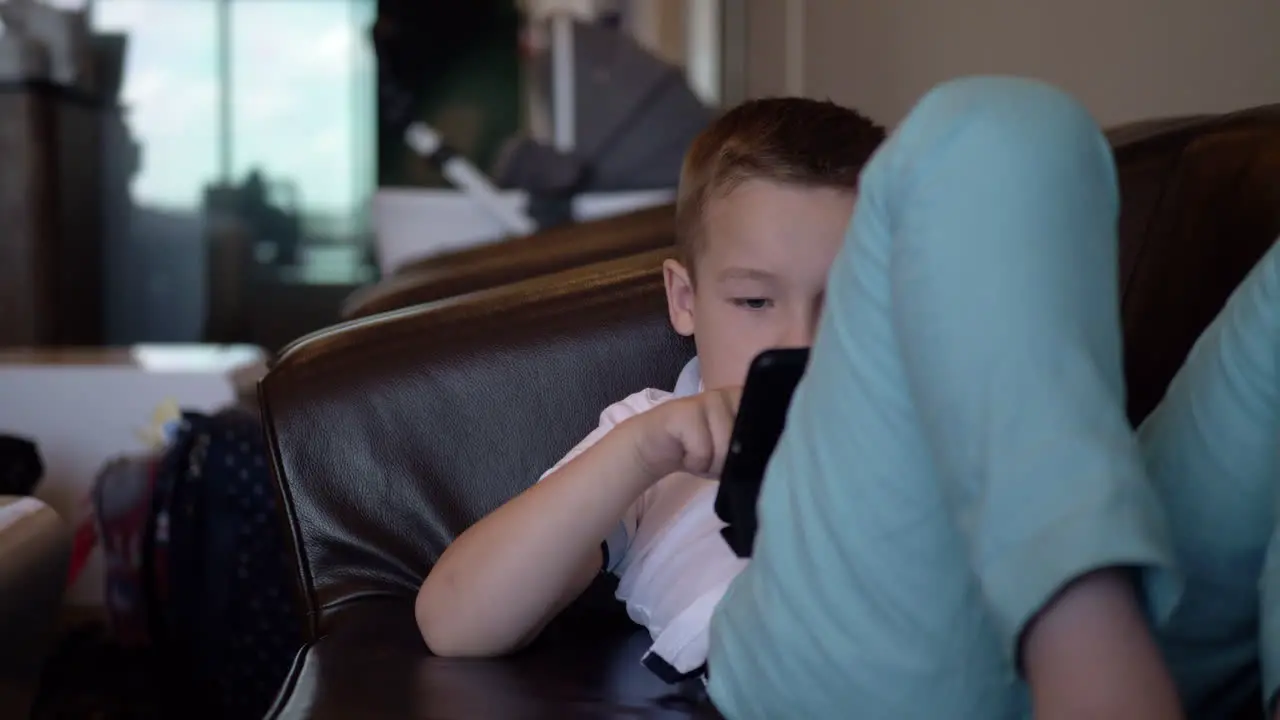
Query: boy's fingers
point(702, 450)
point(729, 399)
point(727, 410)
point(733, 398)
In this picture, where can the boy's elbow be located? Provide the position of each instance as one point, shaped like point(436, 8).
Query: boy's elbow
point(432, 615)
point(443, 631)
point(443, 643)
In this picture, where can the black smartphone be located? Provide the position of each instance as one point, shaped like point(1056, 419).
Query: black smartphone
point(762, 414)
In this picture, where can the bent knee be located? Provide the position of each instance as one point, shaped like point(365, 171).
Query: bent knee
point(1009, 121)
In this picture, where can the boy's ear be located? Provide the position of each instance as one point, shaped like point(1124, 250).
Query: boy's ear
point(679, 296)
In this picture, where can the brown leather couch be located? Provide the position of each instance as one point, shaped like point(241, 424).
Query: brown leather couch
point(542, 253)
point(393, 434)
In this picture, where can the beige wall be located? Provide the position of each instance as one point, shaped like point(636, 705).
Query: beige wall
point(1126, 59)
point(685, 33)
point(659, 25)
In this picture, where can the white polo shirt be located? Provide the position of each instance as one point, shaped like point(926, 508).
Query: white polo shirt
point(672, 564)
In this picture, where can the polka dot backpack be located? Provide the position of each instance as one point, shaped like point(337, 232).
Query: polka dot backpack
point(224, 609)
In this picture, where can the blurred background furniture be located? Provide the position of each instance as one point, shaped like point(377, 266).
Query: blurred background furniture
point(544, 252)
point(393, 435)
point(52, 204)
point(606, 126)
point(35, 548)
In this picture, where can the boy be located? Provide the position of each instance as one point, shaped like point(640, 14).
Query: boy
point(765, 195)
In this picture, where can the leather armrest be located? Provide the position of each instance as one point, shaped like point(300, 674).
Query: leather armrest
point(373, 664)
point(35, 548)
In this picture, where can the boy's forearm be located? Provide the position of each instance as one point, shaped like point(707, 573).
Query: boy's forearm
point(503, 579)
point(1089, 655)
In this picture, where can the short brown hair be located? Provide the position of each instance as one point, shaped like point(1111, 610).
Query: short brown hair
point(811, 143)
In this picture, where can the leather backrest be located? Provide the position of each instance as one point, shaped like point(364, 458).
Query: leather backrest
point(552, 250)
point(392, 434)
point(1200, 203)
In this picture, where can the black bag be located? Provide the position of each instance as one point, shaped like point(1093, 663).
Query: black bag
point(225, 608)
point(212, 628)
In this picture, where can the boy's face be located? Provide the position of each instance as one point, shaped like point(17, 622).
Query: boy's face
point(761, 274)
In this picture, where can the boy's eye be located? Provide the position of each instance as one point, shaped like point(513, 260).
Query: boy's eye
point(753, 303)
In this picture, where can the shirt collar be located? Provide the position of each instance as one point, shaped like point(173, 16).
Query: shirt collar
point(690, 380)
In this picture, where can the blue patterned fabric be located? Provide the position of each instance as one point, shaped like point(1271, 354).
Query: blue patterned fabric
point(229, 613)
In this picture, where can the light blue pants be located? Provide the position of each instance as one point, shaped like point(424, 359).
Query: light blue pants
point(959, 450)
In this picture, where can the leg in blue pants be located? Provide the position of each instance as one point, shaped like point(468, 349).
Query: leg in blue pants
point(958, 450)
point(1211, 449)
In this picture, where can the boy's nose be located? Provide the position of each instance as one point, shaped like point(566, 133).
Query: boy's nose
point(799, 333)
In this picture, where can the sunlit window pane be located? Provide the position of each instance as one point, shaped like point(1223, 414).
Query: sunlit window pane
point(170, 93)
point(301, 107)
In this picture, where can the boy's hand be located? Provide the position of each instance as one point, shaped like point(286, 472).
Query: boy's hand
point(688, 435)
